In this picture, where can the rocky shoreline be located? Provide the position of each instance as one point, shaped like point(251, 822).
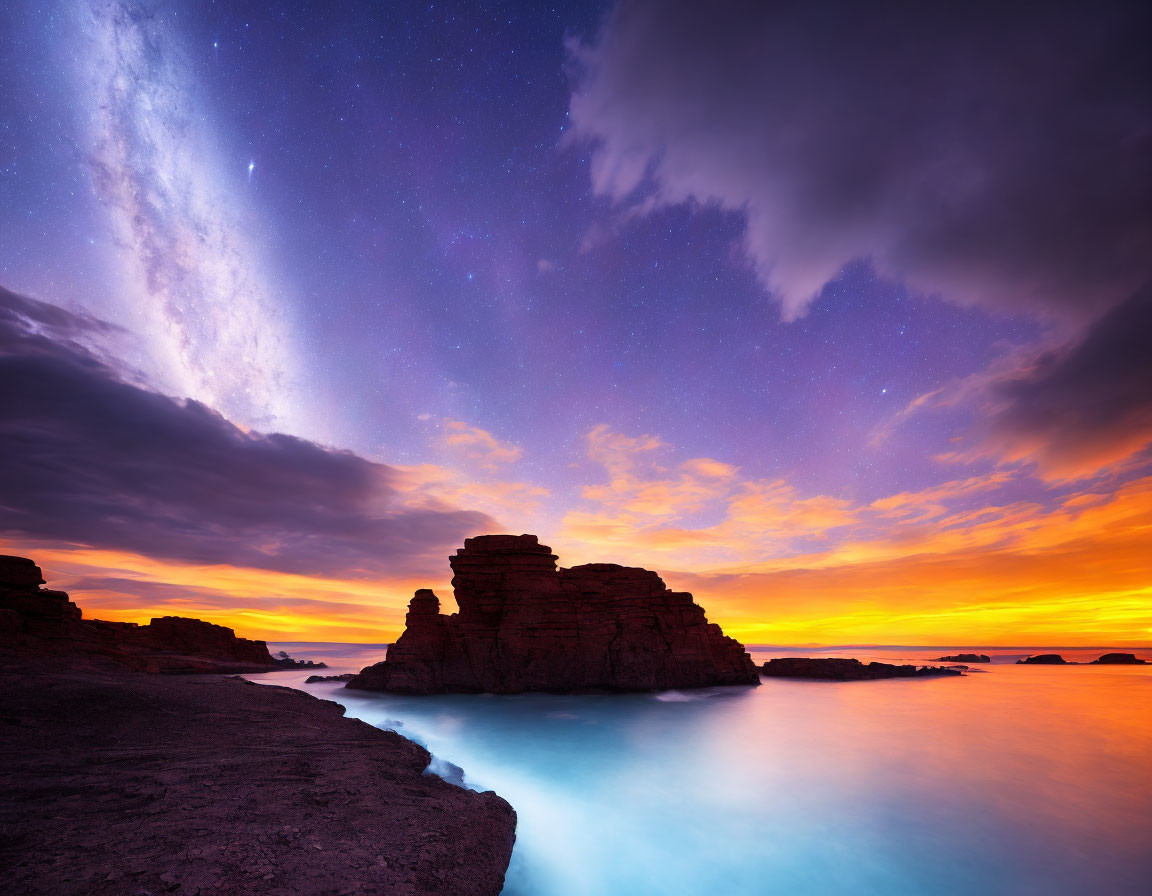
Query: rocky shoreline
point(122, 777)
point(120, 783)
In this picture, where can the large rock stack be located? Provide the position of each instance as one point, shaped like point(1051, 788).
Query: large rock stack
point(525, 625)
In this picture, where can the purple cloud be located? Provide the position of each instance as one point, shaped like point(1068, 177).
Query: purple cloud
point(91, 459)
point(992, 153)
point(1082, 407)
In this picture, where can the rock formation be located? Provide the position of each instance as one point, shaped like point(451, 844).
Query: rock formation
point(39, 620)
point(840, 669)
point(525, 625)
point(284, 661)
point(1118, 659)
point(1043, 659)
point(965, 658)
point(316, 679)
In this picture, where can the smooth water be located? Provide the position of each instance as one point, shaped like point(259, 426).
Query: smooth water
point(1013, 780)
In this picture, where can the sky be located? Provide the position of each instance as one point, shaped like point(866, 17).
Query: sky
point(836, 315)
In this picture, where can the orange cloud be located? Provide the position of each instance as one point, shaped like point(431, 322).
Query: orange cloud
point(647, 511)
point(475, 445)
point(1078, 574)
point(509, 502)
point(256, 603)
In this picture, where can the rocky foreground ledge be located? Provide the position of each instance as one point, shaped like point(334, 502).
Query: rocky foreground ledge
point(120, 783)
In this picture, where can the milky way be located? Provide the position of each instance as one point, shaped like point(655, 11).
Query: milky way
point(191, 270)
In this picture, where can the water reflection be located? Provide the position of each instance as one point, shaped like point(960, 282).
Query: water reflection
point(1021, 780)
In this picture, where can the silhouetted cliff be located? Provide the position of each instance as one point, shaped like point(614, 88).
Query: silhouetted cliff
point(525, 625)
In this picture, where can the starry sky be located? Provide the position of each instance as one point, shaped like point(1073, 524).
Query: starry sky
point(836, 315)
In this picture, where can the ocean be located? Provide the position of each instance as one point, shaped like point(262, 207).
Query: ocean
point(1011, 780)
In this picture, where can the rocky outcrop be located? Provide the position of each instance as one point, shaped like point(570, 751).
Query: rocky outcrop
point(524, 625)
point(965, 658)
point(41, 621)
point(1118, 659)
point(178, 644)
point(117, 784)
point(284, 661)
point(840, 669)
point(1043, 659)
point(316, 679)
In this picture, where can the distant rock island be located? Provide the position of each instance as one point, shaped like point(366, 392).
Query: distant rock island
point(1107, 659)
point(1043, 659)
point(525, 625)
point(965, 658)
point(842, 669)
point(316, 679)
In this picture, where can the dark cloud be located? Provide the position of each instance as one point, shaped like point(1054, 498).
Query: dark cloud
point(992, 153)
point(90, 459)
point(1085, 407)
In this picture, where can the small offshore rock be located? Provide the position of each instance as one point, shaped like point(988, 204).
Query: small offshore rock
point(1119, 659)
point(843, 669)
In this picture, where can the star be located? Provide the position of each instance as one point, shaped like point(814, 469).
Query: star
point(251, 168)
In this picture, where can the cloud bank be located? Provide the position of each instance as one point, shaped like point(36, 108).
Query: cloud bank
point(1082, 408)
point(92, 460)
point(992, 153)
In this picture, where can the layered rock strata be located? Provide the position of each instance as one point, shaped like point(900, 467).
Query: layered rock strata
point(524, 625)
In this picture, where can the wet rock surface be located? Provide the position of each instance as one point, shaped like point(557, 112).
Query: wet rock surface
point(118, 783)
point(525, 625)
point(839, 669)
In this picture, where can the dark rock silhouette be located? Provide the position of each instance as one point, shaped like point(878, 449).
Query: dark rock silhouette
point(1118, 659)
point(525, 625)
point(842, 669)
point(43, 621)
point(1044, 659)
point(313, 679)
point(965, 658)
point(284, 661)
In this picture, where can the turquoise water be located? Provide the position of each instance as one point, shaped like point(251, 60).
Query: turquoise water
point(1015, 780)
